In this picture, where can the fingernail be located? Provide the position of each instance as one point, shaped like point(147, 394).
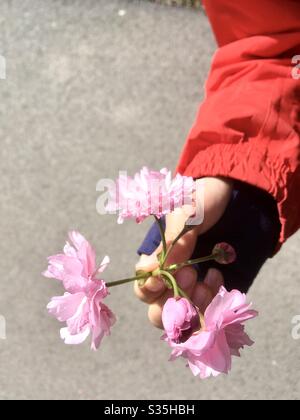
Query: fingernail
point(147, 263)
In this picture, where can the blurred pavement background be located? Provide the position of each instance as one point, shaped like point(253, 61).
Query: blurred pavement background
point(94, 87)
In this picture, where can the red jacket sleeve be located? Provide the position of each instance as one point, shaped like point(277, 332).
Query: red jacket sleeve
point(248, 126)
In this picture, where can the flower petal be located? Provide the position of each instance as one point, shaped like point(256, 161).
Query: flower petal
point(74, 339)
point(218, 357)
point(66, 306)
point(105, 262)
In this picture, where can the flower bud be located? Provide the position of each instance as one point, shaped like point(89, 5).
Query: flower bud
point(224, 253)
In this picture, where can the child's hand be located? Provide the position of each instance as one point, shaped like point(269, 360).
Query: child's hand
point(217, 192)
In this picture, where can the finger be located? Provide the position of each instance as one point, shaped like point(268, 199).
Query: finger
point(156, 307)
point(186, 279)
point(154, 286)
point(214, 280)
point(147, 263)
point(202, 296)
point(152, 289)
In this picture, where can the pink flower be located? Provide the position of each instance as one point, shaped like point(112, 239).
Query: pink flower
point(149, 193)
point(179, 318)
point(209, 350)
point(81, 307)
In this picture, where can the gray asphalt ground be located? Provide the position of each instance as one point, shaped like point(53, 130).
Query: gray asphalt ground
point(89, 92)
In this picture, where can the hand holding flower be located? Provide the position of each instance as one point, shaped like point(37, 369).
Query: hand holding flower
point(203, 322)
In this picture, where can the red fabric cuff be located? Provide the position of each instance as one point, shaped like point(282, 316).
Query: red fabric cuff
point(245, 162)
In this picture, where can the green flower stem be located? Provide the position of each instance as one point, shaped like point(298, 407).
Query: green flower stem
point(163, 238)
point(170, 277)
point(130, 279)
point(172, 281)
point(183, 294)
point(174, 267)
point(202, 321)
point(183, 232)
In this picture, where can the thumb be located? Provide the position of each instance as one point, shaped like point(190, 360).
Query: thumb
point(154, 285)
point(148, 262)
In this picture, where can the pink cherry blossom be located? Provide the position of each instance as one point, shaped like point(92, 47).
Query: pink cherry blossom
point(149, 193)
point(209, 350)
point(179, 317)
point(81, 307)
